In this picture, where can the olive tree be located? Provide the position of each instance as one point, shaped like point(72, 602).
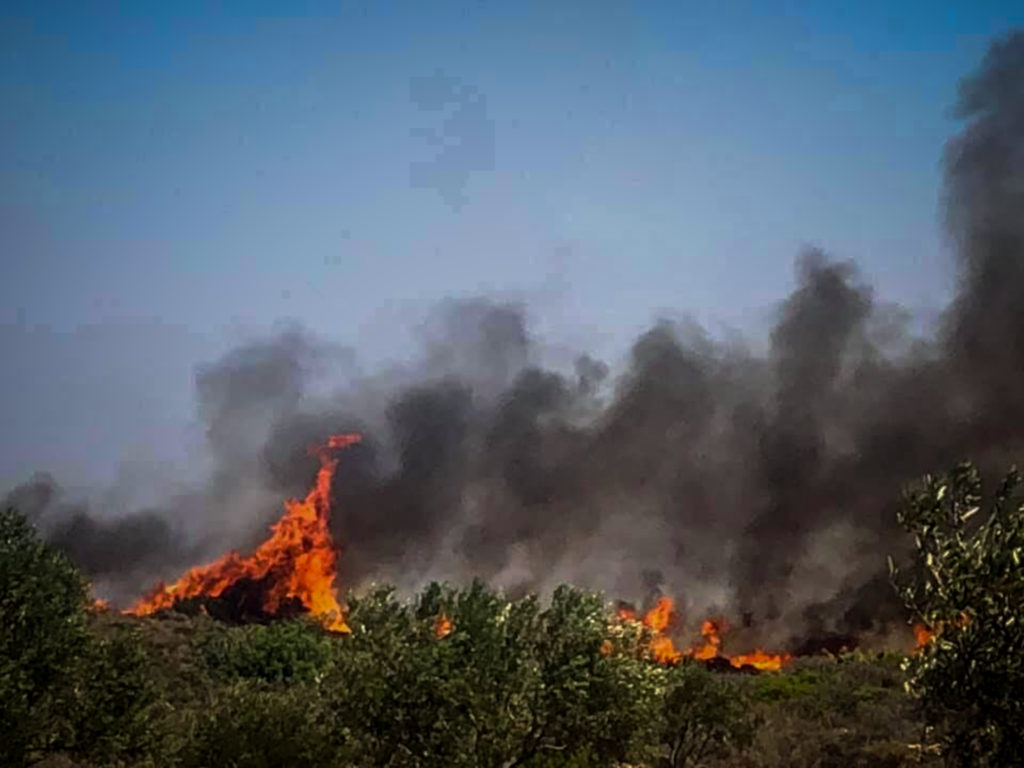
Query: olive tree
point(966, 585)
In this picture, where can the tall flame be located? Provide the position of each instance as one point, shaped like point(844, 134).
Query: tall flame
point(658, 620)
point(297, 562)
point(711, 630)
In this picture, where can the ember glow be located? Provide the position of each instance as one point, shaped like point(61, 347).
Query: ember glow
point(297, 562)
point(922, 636)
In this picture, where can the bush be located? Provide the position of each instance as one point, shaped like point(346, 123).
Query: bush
point(297, 650)
point(62, 689)
point(108, 718)
point(253, 725)
point(507, 684)
point(42, 616)
point(703, 715)
point(967, 585)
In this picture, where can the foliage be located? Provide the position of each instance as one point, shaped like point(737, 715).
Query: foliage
point(507, 685)
point(967, 585)
point(296, 650)
point(61, 688)
point(108, 717)
point(453, 677)
point(704, 714)
point(42, 599)
point(850, 711)
point(254, 725)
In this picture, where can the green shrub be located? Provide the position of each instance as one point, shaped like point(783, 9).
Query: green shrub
point(62, 689)
point(704, 715)
point(967, 583)
point(108, 718)
point(510, 684)
point(296, 650)
point(42, 634)
point(253, 725)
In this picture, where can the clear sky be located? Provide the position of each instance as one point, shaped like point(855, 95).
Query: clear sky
point(175, 177)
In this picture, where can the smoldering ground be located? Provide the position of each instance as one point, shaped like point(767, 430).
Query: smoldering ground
point(759, 484)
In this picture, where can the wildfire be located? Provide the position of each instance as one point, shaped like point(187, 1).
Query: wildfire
point(711, 631)
point(297, 562)
point(761, 660)
point(658, 620)
point(663, 650)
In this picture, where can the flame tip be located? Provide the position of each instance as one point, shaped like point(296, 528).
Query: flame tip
point(296, 563)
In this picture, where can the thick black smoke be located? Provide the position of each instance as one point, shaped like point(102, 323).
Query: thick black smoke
point(759, 484)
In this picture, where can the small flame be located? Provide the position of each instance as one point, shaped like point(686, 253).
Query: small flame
point(442, 626)
point(922, 636)
point(761, 660)
point(662, 649)
point(297, 562)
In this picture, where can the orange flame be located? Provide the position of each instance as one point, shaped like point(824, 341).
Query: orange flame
point(660, 618)
point(298, 561)
point(657, 620)
point(442, 626)
point(711, 631)
point(922, 636)
point(761, 660)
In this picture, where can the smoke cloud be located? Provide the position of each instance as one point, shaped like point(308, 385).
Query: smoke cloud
point(760, 484)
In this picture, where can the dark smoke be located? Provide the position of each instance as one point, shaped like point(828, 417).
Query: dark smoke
point(126, 548)
point(985, 167)
point(756, 484)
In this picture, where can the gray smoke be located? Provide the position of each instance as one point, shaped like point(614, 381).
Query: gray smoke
point(758, 484)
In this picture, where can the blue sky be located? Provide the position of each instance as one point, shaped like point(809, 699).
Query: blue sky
point(175, 177)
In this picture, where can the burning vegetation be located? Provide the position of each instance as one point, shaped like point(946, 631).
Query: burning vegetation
point(291, 572)
point(660, 620)
point(791, 461)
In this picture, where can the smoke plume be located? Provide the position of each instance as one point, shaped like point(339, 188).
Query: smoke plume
point(758, 484)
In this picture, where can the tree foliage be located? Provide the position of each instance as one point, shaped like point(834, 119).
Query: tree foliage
point(506, 683)
point(450, 677)
point(296, 650)
point(703, 715)
point(61, 689)
point(42, 633)
point(967, 586)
